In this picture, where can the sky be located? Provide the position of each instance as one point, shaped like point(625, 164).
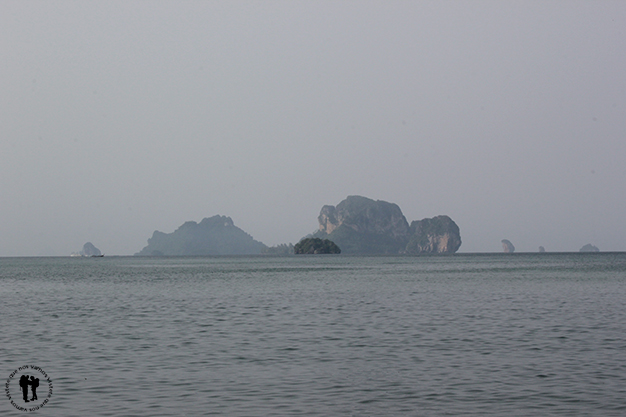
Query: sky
point(119, 118)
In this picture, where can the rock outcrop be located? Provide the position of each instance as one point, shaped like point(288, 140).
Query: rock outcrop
point(589, 248)
point(362, 225)
point(215, 235)
point(507, 246)
point(364, 215)
point(365, 226)
point(437, 235)
point(542, 249)
point(88, 250)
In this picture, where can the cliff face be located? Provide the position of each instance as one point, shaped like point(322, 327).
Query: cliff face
point(364, 215)
point(362, 225)
point(215, 235)
point(437, 235)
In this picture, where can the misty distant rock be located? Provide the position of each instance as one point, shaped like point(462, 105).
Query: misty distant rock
point(88, 250)
point(542, 249)
point(215, 235)
point(589, 248)
point(281, 249)
point(365, 226)
point(507, 246)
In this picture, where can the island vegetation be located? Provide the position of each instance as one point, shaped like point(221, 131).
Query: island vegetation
point(316, 246)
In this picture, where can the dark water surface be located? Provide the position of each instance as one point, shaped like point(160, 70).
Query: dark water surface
point(464, 335)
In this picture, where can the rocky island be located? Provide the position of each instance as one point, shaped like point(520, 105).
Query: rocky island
point(589, 248)
point(507, 246)
point(316, 246)
point(437, 235)
point(357, 225)
point(88, 250)
point(360, 225)
point(215, 235)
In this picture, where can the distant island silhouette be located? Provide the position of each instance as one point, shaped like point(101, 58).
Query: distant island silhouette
point(89, 250)
point(360, 225)
point(316, 246)
point(215, 235)
point(357, 225)
point(589, 248)
point(507, 246)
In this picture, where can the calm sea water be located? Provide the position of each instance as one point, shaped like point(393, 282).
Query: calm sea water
point(463, 335)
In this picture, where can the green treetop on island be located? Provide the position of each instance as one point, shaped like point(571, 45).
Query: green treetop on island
point(316, 246)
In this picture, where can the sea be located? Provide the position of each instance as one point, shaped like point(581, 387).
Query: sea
point(523, 334)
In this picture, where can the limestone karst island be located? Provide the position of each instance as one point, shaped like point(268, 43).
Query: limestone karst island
point(360, 225)
point(215, 235)
point(357, 225)
point(89, 250)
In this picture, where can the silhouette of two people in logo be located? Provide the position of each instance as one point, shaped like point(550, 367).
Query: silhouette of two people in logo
point(25, 382)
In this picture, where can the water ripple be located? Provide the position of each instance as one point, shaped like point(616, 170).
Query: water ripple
point(464, 335)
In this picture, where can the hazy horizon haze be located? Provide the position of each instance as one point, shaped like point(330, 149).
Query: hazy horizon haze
point(121, 118)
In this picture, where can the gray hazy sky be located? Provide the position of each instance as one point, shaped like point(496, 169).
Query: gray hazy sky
point(118, 118)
